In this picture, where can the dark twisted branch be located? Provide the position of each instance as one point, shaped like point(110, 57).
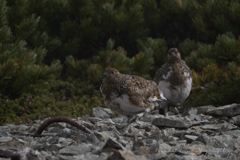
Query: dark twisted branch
point(60, 119)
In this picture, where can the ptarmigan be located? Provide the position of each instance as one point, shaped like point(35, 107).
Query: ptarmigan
point(129, 94)
point(174, 78)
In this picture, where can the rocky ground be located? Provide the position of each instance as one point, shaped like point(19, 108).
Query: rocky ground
point(201, 133)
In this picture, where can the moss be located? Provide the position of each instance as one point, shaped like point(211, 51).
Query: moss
point(55, 98)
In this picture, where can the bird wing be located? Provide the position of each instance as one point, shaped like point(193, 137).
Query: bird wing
point(143, 90)
point(163, 73)
point(186, 71)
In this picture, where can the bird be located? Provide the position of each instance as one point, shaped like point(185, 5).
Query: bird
point(130, 95)
point(174, 78)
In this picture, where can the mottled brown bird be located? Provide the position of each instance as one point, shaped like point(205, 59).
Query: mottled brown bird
point(129, 94)
point(174, 78)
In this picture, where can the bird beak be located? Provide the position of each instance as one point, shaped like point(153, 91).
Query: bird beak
point(104, 74)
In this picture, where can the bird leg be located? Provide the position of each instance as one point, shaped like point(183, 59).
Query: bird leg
point(164, 108)
point(132, 118)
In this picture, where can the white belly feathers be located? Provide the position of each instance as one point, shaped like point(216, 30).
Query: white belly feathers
point(178, 94)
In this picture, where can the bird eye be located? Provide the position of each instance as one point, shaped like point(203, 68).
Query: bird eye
point(112, 72)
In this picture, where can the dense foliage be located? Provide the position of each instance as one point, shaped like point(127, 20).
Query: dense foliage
point(53, 53)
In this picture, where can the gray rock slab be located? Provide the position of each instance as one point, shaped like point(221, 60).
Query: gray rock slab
point(220, 127)
point(5, 152)
point(204, 109)
point(227, 110)
point(150, 118)
point(101, 113)
point(236, 120)
point(75, 150)
point(113, 144)
point(173, 123)
point(190, 138)
point(118, 120)
point(5, 139)
point(95, 119)
point(126, 155)
point(197, 148)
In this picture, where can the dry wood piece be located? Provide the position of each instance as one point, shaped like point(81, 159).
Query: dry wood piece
point(60, 119)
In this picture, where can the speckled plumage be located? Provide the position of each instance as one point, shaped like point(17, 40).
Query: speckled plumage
point(174, 78)
point(129, 94)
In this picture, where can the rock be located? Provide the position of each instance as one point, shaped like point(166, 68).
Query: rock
point(204, 109)
point(3, 134)
point(63, 157)
point(159, 155)
point(101, 113)
point(94, 119)
point(227, 110)
point(167, 122)
point(143, 125)
point(173, 156)
point(113, 144)
point(125, 155)
point(28, 153)
point(144, 150)
point(190, 138)
point(5, 139)
point(219, 127)
point(90, 156)
point(222, 152)
point(118, 120)
point(75, 150)
point(107, 122)
point(150, 118)
point(196, 148)
point(236, 120)
point(5, 153)
point(165, 147)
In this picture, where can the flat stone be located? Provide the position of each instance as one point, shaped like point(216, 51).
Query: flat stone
point(28, 153)
point(167, 122)
point(95, 119)
point(196, 148)
point(3, 134)
point(113, 144)
point(5, 139)
point(143, 125)
point(108, 122)
point(204, 109)
point(190, 138)
point(158, 155)
point(222, 152)
point(222, 126)
point(236, 120)
point(144, 150)
point(118, 120)
point(64, 157)
point(165, 147)
point(101, 112)
point(90, 156)
point(150, 118)
point(52, 140)
point(102, 136)
point(227, 110)
point(126, 155)
point(75, 150)
point(5, 152)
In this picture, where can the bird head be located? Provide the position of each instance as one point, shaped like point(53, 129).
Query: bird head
point(111, 74)
point(173, 55)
